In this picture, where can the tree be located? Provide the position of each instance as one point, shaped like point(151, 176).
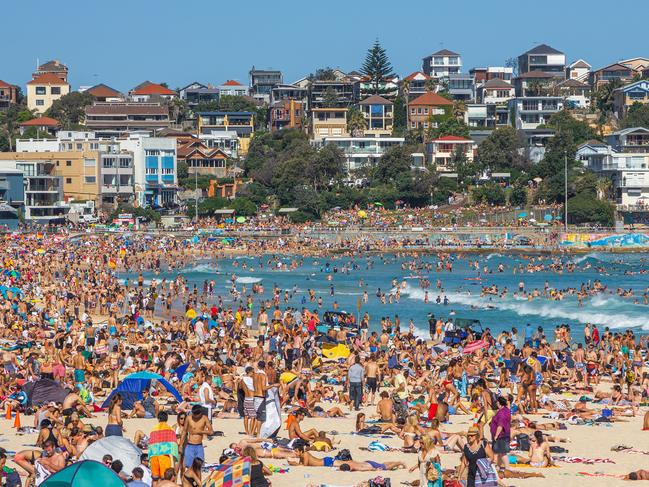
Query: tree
point(490, 193)
point(329, 97)
point(243, 207)
point(325, 165)
point(394, 163)
point(637, 116)
point(512, 62)
point(450, 126)
point(502, 150)
point(603, 99)
point(70, 109)
point(10, 121)
point(356, 123)
point(442, 190)
point(377, 65)
point(323, 74)
point(400, 116)
point(564, 121)
point(584, 208)
point(182, 170)
point(518, 196)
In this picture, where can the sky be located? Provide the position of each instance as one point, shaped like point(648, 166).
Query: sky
point(124, 42)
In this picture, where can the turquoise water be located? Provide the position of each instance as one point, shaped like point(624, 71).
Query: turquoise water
point(462, 293)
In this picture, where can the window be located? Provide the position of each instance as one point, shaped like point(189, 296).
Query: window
point(151, 170)
point(55, 90)
point(90, 179)
point(425, 125)
point(68, 180)
point(413, 125)
point(426, 111)
point(419, 111)
point(68, 163)
point(152, 152)
point(40, 103)
point(40, 90)
point(89, 162)
point(79, 146)
point(412, 111)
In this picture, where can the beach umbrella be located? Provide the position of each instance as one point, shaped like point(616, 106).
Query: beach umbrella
point(378, 203)
point(522, 214)
point(547, 217)
point(362, 214)
point(241, 219)
point(475, 346)
point(87, 473)
point(191, 314)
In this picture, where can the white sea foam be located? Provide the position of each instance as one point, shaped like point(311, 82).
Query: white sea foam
point(603, 310)
point(248, 280)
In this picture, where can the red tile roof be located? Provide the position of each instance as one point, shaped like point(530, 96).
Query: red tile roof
point(430, 98)
point(153, 89)
point(452, 138)
point(41, 122)
point(231, 82)
point(47, 79)
point(103, 91)
point(4, 84)
point(416, 74)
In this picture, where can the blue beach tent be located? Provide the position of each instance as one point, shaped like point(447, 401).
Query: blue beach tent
point(132, 386)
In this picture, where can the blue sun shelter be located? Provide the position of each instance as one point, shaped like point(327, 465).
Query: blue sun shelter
point(132, 386)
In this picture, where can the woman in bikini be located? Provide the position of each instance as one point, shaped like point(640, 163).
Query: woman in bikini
point(115, 425)
point(192, 476)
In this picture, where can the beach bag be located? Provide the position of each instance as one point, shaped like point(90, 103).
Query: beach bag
point(344, 455)
point(380, 482)
point(432, 471)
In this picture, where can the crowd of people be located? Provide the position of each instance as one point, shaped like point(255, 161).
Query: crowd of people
point(68, 315)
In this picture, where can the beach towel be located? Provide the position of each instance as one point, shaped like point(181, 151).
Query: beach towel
point(163, 441)
point(377, 446)
point(486, 475)
point(586, 461)
point(232, 473)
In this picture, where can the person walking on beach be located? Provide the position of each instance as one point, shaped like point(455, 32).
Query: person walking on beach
point(355, 376)
point(500, 433)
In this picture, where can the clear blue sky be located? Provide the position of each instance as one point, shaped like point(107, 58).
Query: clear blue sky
point(122, 43)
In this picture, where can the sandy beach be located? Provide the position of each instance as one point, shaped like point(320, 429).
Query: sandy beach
point(590, 442)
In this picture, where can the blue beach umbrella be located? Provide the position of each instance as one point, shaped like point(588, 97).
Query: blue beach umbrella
point(547, 218)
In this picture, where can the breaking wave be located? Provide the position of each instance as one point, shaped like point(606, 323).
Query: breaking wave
point(604, 310)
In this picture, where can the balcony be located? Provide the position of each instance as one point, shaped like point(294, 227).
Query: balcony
point(111, 189)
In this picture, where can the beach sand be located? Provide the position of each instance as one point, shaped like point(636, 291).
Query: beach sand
point(586, 441)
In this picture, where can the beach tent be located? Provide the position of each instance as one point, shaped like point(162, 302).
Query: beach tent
point(87, 473)
point(43, 391)
point(118, 447)
point(132, 386)
point(231, 473)
point(335, 351)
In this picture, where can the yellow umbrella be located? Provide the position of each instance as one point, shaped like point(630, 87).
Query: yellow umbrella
point(191, 314)
point(362, 214)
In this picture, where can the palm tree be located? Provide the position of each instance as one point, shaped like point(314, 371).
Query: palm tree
point(356, 123)
point(459, 109)
point(405, 87)
point(431, 84)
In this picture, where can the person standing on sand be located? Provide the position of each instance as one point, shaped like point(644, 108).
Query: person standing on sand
point(355, 376)
point(500, 433)
point(371, 377)
point(195, 428)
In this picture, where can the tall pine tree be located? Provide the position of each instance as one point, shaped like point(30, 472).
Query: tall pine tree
point(377, 65)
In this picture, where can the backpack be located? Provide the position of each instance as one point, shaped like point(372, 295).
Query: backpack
point(343, 455)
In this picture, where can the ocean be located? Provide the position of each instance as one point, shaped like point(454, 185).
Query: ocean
point(460, 287)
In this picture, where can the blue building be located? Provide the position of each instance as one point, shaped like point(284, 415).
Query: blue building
point(12, 197)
